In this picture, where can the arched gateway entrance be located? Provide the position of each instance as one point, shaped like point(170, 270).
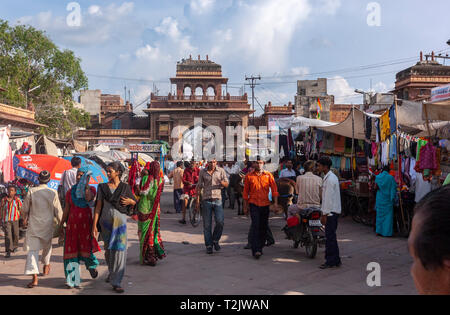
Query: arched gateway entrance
point(170, 113)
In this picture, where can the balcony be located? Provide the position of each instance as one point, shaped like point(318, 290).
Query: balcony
point(218, 98)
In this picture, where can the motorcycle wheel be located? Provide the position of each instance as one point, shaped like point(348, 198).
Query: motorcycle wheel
point(311, 245)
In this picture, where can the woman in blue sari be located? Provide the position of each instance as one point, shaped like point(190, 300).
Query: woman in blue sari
point(386, 193)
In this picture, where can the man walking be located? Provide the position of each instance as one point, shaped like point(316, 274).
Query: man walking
point(177, 176)
point(331, 209)
point(68, 179)
point(256, 200)
point(212, 180)
point(40, 206)
point(190, 179)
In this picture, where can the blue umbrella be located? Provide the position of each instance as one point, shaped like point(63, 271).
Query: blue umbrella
point(98, 173)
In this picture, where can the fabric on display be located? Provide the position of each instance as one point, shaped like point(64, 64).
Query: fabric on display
point(328, 143)
point(393, 147)
point(427, 158)
point(421, 143)
point(348, 145)
point(393, 119)
point(339, 144)
point(4, 143)
point(377, 126)
point(385, 126)
point(7, 165)
point(368, 128)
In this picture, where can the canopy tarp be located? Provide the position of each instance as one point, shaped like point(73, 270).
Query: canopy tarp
point(345, 128)
point(439, 110)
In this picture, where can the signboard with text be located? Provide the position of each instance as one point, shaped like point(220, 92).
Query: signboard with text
point(112, 142)
point(441, 93)
point(145, 148)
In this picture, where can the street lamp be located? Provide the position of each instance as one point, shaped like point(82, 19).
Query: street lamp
point(448, 42)
point(26, 94)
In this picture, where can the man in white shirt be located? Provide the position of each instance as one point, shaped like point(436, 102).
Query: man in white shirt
point(288, 172)
point(309, 188)
point(331, 209)
point(68, 179)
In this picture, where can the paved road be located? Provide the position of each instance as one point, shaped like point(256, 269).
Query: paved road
point(188, 270)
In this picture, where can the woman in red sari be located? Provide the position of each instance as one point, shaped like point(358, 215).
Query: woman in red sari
point(79, 245)
point(149, 211)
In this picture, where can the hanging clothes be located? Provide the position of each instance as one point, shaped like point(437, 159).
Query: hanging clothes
point(393, 119)
point(384, 153)
point(377, 126)
point(4, 143)
point(368, 128)
point(393, 147)
point(7, 166)
point(339, 144)
point(427, 158)
point(420, 144)
point(385, 126)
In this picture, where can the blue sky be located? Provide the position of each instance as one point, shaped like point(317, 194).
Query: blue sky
point(283, 40)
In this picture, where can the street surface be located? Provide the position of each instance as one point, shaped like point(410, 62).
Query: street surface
point(187, 270)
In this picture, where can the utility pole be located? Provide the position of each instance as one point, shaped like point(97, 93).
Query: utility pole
point(253, 84)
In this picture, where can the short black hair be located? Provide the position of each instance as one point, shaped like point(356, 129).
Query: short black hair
point(386, 168)
point(76, 161)
point(117, 167)
point(325, 161)
point(187, 164)
point(13, 187)
point(179, 164)
point(432, 242)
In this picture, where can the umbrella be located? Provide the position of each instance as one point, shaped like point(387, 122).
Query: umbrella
point(30, 166)
point(98, 173)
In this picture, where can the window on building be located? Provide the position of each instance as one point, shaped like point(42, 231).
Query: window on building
point(117, 124)
point(303, 92)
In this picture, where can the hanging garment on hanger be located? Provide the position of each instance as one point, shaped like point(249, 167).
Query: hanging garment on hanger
point(393, 147)
point(385, 126)
point(392, 120)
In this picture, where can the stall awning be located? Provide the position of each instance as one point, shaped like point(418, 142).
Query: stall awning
point(439, 110)
point(346, 129)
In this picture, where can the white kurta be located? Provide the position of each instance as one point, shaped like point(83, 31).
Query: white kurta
point(43, 205)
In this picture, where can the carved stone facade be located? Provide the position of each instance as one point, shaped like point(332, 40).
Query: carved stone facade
point(199, 94)
point(416, 82)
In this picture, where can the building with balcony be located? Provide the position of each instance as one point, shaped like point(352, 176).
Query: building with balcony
point(416, 82)
point(199, 94)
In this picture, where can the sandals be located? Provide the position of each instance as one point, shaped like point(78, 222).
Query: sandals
point(94, 273)
point(31, 285)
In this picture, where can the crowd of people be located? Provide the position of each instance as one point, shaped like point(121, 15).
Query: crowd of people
point(82, 216)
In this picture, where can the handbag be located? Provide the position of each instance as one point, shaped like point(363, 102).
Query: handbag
point(56, 226)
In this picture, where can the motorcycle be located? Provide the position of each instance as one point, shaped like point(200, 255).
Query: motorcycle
point(308, 233)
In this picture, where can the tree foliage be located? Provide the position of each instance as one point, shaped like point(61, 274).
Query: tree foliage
point(28, 59)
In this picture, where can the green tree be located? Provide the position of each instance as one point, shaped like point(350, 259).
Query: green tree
point(29, 59)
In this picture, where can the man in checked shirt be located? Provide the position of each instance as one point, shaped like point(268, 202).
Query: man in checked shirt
point(212, 179)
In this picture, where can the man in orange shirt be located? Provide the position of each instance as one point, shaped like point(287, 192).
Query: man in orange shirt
point(256, 199)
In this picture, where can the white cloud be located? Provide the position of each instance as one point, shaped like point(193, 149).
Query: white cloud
point(148, 52)
point(329, 7)
point(99, 25)
point(261, 32)
point(342, 91)
point(95, 10)
point(201, 6)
